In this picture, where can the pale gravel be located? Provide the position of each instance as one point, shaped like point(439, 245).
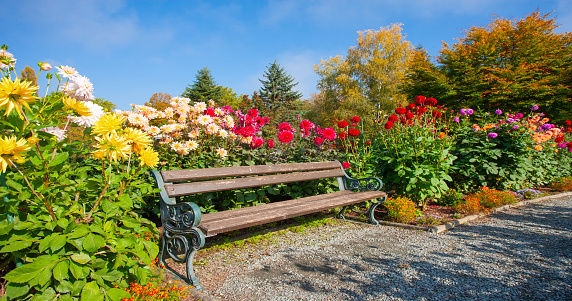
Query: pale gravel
point(523, 253)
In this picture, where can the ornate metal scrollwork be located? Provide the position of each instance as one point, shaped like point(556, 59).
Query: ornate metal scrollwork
point(181, 239)
point(363, 184)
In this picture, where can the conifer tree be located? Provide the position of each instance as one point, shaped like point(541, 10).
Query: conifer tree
point(276, 90)
point(204, 88)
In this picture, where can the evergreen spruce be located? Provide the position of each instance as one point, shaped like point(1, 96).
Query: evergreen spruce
point(276, 90)
point(204, 88)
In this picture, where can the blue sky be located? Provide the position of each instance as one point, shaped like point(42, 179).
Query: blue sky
point(133, 49)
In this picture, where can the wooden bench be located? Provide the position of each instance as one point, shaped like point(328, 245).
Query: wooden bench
point(185, 227)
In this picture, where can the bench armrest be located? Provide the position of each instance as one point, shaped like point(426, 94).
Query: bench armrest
point(363, 184)
point(181, 217)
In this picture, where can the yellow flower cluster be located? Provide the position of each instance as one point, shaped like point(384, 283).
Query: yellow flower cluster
point(116, 143)
point(12, 150)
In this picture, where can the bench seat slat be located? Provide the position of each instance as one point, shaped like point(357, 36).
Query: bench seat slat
point(223, 172)
point(292, 208)
point(207, 217)
point(174, 190)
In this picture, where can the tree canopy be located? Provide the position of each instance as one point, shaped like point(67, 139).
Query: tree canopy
point(507, 65)
point(204, 88)
point(277, 88)
point(369, 78)
point(159, 101)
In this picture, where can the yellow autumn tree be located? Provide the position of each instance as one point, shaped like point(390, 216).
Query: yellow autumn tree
point(369, 78)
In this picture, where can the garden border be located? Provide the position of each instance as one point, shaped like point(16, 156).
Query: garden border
point(466, 219)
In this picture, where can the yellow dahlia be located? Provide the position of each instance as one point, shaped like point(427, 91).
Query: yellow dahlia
point(78, 106)
point(137, 138)
point(108, 123)
point(114, 147)
point(12, 150)
point(15, 94)
point(149, 157)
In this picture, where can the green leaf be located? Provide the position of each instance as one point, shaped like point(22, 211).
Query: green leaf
point(23, 225)
point(15, 290)
point(29, 271)
point(91, 292)
point(109, 275)
point(93, 242)
point(58, 242)
point(117, 294)
point(124, 201)
point(63, 223)
point(81, 258)
point(64, 287)
point(151, 247)
point(45, 276)
point(77, 270)
point(79, 232)
point(60, 271)
point(77, 286)
point(16, 246)
point(14, 185)
point(59, 159)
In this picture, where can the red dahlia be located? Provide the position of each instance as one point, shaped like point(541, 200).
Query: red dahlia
point(343, 135)
point(285, 136)
point(285, 126)
point(393, 118)
point(408, 115)
point(430, 101)
point(420, 99)
point(353, 132)
point(436, 114)
point(329, 134)
point(342, 124)
point(568, 122)
point(400, 111)
point(388, 125)
point(318, 141)
point(355, 119)
point(559, 139)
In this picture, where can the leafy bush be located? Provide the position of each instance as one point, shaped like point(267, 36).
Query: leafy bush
point(412, 152)
point(400, 209)
point(67, 221)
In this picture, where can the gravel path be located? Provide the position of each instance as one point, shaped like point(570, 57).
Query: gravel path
point(523, 253)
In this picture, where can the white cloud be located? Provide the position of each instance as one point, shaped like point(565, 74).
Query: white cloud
point(99, 25)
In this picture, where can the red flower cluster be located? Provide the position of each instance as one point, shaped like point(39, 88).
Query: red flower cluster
point(343, 135)
point(355, 119)
point(568, 122)
point(406, 114)
point(345, 165)
point(318, 140)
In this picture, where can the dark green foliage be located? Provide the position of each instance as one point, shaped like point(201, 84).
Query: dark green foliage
point(277, 90)
point(204, 88)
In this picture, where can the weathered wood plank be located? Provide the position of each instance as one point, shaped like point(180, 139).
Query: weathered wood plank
point(174, 190)
point(291, 208)
point(265, 207)
point(222, 172)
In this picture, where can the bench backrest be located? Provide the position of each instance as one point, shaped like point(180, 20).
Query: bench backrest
point(227, 178)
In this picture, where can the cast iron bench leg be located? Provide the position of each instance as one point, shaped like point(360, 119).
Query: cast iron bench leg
point(182, 246)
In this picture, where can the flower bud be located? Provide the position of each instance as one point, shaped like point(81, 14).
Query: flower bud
point(46, 67)
point(33, 140)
